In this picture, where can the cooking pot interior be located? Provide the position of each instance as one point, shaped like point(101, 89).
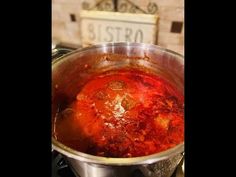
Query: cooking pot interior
point(70, 73)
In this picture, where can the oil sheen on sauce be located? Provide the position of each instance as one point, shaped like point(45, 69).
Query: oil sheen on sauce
point(124, 113)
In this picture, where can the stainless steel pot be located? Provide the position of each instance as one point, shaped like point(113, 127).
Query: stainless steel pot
point(69, 73)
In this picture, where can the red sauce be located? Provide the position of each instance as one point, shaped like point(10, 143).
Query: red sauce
point(123, 114)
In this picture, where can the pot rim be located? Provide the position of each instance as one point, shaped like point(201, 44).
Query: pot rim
point(71, 153)
point(114, 44)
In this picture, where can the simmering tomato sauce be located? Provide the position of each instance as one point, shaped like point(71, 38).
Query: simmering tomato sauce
point(124, 113)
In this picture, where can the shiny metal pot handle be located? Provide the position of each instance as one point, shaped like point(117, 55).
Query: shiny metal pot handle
point(59, 52)
point(61, 48)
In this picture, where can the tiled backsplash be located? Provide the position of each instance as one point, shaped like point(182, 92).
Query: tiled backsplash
point(66, 18)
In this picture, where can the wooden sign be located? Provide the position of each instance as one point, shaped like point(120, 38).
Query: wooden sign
point(103, 26)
